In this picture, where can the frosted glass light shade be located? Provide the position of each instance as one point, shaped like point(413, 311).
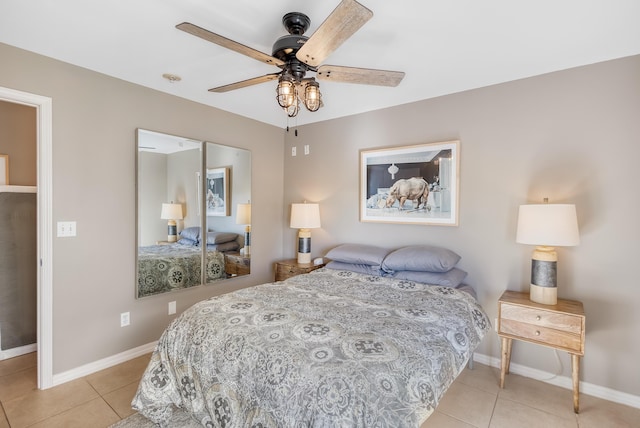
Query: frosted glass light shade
point(554, 225)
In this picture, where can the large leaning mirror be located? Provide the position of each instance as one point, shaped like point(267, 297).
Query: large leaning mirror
point(193, 213)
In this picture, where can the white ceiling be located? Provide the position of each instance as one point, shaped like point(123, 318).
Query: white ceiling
point(444, 46)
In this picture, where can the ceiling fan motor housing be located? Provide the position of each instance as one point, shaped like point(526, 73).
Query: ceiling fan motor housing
point(285, 47)
point(296, 23)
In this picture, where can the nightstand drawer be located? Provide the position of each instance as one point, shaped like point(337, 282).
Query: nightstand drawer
point(543, 335)
point(542, 318)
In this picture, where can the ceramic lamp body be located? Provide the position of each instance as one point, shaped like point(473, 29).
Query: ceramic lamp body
point(304, 246)
point(544, 276)
point(247, 240)
point(172, 231)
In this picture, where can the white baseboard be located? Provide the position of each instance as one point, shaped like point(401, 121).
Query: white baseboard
point(102, 364)
point(563, 381)
point(20, 350)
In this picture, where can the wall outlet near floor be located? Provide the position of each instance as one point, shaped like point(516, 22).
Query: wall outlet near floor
point(172, 307)
point(124, 319)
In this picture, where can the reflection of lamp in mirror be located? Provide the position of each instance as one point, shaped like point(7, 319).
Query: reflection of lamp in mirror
point(546, 226)
point(243, 216)
point(171, 212)
point(304, 217)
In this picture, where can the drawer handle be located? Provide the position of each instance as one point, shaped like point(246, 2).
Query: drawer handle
point(537, 332)
point(538, 318)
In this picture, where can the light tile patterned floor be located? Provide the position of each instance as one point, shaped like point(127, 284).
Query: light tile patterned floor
point(474, 400)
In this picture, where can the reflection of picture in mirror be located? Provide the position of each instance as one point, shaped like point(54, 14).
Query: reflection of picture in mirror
point(217, 192)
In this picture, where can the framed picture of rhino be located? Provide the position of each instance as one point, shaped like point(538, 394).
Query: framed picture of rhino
point(411, 184)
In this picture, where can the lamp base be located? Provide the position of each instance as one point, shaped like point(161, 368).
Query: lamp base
point(172, 227)
point(544, 295)
point(544, 276)
point(304, 246)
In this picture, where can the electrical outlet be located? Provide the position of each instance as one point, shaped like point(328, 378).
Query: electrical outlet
point(306, 149)
point(172, 307)
point(124, 319)
point(293, 151)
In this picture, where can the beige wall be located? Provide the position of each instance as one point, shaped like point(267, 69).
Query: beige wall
point(572, 136)
point(94, 122)
point(18, 140)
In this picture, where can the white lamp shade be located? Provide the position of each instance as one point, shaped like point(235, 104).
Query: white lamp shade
point(305, 216)
point(243, 214)
point(171, 212)
point(554, 225)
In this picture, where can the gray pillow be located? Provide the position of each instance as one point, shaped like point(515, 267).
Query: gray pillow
point(452, 278)
point(220, 237)
point(187, 242)
point(420, 258)
point(192, 233)
point(353, 267)
point(358, 254)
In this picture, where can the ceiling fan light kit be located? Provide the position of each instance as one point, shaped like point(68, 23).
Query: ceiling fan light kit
point(296, 55)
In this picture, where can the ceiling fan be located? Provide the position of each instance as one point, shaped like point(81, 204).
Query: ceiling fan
point(296, 55)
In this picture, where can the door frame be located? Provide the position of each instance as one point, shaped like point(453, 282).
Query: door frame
point(44, 159)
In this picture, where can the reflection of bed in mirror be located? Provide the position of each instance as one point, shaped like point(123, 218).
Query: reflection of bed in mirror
point(174, 266)
point(168, 267)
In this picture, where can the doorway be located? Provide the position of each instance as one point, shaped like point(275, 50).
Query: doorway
point(44, 159)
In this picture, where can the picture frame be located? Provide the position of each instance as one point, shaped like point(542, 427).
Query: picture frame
point(217, 192)
point(417, 184)
point(4, 170)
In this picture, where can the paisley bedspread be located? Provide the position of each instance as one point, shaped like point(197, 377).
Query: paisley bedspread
point(170, 267)
point(331, 348)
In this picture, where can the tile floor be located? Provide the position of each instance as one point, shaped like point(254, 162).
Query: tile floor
point(474, 400)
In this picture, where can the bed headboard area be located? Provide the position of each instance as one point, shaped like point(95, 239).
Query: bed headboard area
point(420, 263)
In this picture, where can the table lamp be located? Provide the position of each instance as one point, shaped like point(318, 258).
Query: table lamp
point(243, 216)
point(304, 217)
point(171, 212)
point(546, 226)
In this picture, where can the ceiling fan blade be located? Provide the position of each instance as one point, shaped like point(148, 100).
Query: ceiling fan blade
point(344, 21)
point(245, 83)
point(365, 76)
point(207, 35)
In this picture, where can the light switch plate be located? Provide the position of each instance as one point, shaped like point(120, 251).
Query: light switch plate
point(66, 229)
point(124, 319)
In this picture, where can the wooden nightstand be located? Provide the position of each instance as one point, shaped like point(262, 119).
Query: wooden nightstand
point(288, 268)
point(236, 264)
point(559, 326)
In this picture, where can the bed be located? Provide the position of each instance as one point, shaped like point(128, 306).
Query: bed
point(331, 348)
